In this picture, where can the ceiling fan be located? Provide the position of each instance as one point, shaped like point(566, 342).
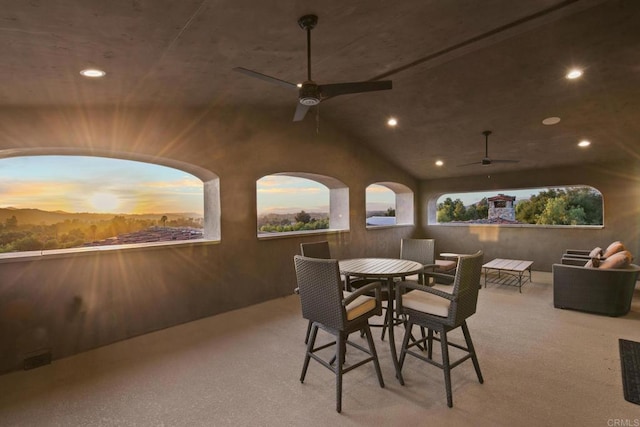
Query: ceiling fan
point(310, 93)
point(486, 161)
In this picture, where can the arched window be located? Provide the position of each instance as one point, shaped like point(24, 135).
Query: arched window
point(388, 204)
point(549, 206)
point(298, 202)
point(53, 201)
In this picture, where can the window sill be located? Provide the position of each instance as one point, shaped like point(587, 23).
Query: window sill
point(10, 257)
point(271, 236)
point(555, 227)
point(378, 227)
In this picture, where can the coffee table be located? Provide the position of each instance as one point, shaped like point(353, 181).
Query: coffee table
point(508, 270)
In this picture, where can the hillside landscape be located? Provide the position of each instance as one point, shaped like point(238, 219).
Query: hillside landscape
point(35, 229)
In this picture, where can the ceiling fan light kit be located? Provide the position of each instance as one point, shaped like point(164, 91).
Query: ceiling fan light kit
point(310, 93)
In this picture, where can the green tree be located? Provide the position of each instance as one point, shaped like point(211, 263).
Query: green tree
point(528, 211)
point(93, 228)
point(303, 217)
point(390, 212)
point(554, 212)
point(589, 200)
point(11, 223)
point(482, 208)
point(163, 220)
point(459, 211)
point(28, 243)
point(445, 211)
point(573, 206)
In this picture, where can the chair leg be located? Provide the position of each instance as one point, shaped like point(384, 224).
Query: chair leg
point(306, 337)
point(405, 344)
point(307, 356)
point(372, 349)
point(385, 323)
point(340, 343)
point(430, 343)
point(446, 367)
point(472, 351)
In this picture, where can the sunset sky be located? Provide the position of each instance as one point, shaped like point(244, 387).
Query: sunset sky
point(95, 184)
point(284, 194)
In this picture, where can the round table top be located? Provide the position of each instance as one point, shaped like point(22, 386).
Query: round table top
point(449, 255)
point(379, 267)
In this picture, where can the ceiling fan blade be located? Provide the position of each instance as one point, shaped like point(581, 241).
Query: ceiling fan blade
point(504, 161)
point(301, 111)
point(470, 164)
point(335, 89)
point(266, 78)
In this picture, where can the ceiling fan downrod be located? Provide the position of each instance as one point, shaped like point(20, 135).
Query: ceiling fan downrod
point(486, 134)
point(308, 23)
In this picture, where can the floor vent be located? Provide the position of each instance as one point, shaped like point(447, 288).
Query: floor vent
point(38, 359)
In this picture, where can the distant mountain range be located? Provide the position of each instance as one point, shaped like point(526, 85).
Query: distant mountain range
point(37, 216)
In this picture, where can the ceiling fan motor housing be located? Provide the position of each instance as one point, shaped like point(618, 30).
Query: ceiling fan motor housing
point(309, 94)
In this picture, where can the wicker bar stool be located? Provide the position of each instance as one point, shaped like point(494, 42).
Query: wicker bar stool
point(338, 312)
point(442, 312)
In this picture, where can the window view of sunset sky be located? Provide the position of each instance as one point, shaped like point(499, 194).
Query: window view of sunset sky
point(286, 194)
point(105, 185)
point(96, 184)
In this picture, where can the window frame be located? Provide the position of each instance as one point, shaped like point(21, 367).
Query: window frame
point(210, 190)
point(338, 205)
point(432, 209)
point(405, 212)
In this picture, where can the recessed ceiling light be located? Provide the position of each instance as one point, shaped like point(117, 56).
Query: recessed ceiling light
point(574, 74)
point(549, 121)
point(584, 143)
point(439, 163)
point(392, 121)
point(92, 72)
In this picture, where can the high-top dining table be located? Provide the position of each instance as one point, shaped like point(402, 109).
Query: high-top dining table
point(387, 269)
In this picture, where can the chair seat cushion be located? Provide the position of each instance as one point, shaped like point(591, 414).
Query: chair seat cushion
point(426, 303)
point(445, 264)
point(416, 278)
point(359, 306)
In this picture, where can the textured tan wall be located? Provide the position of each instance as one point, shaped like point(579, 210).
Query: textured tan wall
point(81, 301)
point(618, 183)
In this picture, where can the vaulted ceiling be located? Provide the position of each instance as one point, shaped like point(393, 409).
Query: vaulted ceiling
point(458, 67)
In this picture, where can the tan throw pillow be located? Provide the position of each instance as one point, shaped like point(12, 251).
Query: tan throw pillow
point(613, 248)
point(618, 260)
point(593, 263)
point(595, 253)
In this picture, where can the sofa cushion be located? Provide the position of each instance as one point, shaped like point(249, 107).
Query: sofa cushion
point(613, 248)
point(595, 253)
point(593, 263)
point(617, 260)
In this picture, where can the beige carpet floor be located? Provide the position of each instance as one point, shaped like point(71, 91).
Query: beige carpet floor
point(542, 367)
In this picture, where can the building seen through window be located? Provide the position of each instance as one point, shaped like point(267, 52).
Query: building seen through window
point(573, 206)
